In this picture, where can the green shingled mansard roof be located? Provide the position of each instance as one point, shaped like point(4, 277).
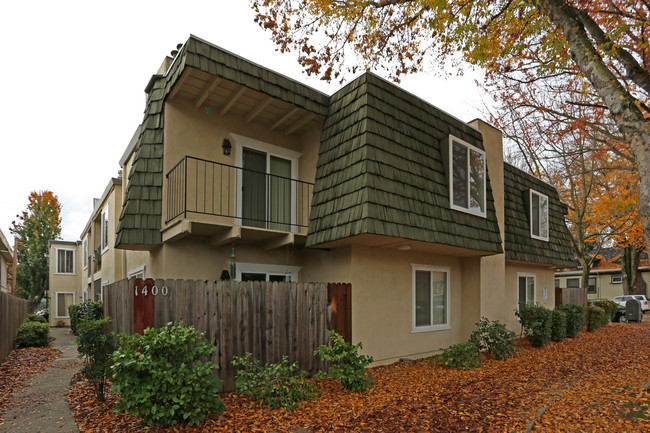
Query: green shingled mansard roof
point(381, 171)
point(140, 221)
point(519, 244)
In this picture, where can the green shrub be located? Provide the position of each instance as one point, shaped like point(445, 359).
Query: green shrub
point(274, 385)
point(558, 325)
point(348, 367)
point(160, 378)
point(462, 356)
point(536, 321)
point(575, 318)
point(494, 338)
point(610, 308)
point(96, 344)
point(73, 312)
point(596, 318)
point(32, 334)
point(89, 310)
point(35, 318)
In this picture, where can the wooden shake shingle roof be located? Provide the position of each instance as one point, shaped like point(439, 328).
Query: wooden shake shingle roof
point(519, 244)
point(381, 171)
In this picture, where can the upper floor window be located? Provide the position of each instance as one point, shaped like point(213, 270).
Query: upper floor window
point(538, 216)
point(104, 229)
point(64, 261)
point(468, 179)
point(617, 279)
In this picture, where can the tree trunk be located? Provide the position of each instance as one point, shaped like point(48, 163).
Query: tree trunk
point(630, 268)
point(621, 104)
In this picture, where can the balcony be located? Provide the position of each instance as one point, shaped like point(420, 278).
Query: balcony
point(226, 202)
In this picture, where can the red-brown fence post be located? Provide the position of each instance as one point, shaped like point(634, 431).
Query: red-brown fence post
point(143, 304)
point(339, 296)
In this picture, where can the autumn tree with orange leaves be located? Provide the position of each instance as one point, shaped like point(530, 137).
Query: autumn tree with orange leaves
point(36, 226)
point(604, 42)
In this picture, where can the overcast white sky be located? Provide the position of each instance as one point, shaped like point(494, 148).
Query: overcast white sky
point(72, 79)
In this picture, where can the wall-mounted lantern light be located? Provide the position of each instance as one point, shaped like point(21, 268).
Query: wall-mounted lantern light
point(226, 146)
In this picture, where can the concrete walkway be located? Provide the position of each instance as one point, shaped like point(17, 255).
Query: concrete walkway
point(41, 406)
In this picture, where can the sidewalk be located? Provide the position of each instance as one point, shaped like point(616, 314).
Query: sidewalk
point(42, 406)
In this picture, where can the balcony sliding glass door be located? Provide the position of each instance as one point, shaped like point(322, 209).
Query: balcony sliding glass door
point(266, 190)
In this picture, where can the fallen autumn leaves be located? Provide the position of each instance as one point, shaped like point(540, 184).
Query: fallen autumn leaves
point(594, 382)
point(18, 367)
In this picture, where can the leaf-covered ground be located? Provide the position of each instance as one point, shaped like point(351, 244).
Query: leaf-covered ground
point(592, 383)
point(18, 367)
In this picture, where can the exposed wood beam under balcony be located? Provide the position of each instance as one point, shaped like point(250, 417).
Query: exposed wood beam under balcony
point(296, 125)
point(282, 241)
point(207, 91)
point(284, 118)
point(253, 114)
point(225, 237)
point(232, 101)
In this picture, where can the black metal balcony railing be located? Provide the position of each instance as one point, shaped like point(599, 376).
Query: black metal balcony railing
point(253, 198)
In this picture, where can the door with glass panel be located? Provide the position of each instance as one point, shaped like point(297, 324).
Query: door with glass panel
point(266, 190)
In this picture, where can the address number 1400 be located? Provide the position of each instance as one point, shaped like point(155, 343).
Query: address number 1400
point(153, 291)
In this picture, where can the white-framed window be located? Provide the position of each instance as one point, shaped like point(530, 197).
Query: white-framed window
point(65, 261)
point(525, 290)
point(84, 295)
point(85, 249)
point(63, 300)
point(572, 283)
point(467, 177)
point(431, 311)
point(104, 228)
point(136, 273)
point(264, 272)
point(617, 279)
point(538, 216)
point(268, 198)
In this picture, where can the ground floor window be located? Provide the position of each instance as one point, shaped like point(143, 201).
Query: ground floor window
point(430, 298)
point(264, 272)
point(63, 300)
point(591, 285)
point(526, 290)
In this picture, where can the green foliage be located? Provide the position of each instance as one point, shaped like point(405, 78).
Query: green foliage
point(89, 310)
point(596, 318)
point(97, 343)
point(536, 321)
point(32, 334)
point(609, 306)
point(558, 326)
point(73, 312)
point(462, 356)
point(161, 379)
point(348, 367)
point(494, 338)
point(36, 226)
point(274, 385)
point(575, 318)
point(35, 318)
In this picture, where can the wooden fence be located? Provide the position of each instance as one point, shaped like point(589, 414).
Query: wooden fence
point(571, 295)
point(268, 320)
point(13, 311)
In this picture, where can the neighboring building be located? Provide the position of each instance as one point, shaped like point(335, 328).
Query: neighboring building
point(237, 170)
point(80, 270)
point(6, 257)
point(605, 276)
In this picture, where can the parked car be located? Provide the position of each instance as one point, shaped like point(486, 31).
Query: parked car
point(620, 315)
point(621, 300)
